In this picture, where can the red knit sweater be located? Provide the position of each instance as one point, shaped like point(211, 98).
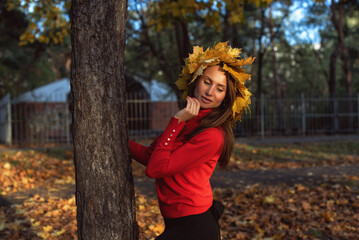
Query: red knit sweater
point(182, 169)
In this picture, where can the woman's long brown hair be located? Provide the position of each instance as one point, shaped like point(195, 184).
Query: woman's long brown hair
point(219, 117)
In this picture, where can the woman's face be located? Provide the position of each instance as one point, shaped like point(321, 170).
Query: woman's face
point(211, 87)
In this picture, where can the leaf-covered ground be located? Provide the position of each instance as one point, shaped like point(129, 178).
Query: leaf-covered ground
point(37, 200)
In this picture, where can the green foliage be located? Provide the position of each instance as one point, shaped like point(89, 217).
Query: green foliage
point(152, 49)
point(25, 67)
point(163, 13)
point(47, 20)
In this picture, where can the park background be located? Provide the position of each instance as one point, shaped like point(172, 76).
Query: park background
point(294, 171)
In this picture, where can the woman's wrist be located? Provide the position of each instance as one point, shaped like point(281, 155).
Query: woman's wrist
point(179, 119)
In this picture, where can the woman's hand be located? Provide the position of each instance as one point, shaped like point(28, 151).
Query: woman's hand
point(190, 111)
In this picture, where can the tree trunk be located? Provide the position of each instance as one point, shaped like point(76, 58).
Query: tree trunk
point(277, 94)
point(236, 42)
point(338, 24)
point(259, 61)
point(104, 183)
point(226, 33)
point(183, 42)
point(332, 71)
point(332, 83)
point(184, 48)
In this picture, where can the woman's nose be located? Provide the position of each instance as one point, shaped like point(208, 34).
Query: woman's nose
point(209, 91)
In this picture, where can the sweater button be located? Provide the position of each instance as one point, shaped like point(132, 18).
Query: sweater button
point(166, 144)
point(168, 139)
point(174, 130)
point(171, 135)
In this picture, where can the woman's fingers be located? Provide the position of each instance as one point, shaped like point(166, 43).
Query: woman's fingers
point(190, 111)
point(189, 104)
point(197, 105)
point(194, 106)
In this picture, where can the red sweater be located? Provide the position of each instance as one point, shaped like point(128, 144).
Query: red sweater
point(182, 169)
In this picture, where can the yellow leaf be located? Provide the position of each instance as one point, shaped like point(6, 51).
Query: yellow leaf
point(47, 228)
point(7, 166)
point(58, 233)
point(35, 224)
point(269, 199)
point(328, 216)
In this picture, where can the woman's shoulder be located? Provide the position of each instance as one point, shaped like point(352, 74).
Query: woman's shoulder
point(211, 133)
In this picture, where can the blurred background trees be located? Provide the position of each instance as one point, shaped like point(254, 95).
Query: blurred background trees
point(305, 46)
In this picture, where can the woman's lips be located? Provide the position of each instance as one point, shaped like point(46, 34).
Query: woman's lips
point(206, 100)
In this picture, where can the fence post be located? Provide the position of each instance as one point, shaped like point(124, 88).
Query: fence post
point(303, 114)
point(5, 119)
point(335, 115)
point(67, 123)
point(262, 115)
point(9, 133)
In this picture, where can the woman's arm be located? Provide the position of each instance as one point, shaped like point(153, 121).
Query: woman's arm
point(139, 152)
point(198, 150)
point(142, 153)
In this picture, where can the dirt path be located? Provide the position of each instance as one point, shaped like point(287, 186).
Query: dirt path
point(220, 179)
point(59, 190)
point(306, 176)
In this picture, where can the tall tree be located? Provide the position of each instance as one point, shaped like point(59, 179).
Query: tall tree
point(260, 55)
point(276, 80)
point(337, 19)
point(104, 183)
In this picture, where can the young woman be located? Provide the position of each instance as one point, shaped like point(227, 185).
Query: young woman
point(183, 158)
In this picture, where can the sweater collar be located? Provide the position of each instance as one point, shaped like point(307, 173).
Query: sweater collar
point(193, 123)
point(201, 114)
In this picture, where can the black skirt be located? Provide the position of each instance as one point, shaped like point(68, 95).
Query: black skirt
point(194, 227)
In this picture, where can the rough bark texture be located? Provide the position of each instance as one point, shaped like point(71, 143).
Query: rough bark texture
point(259, 60)
point(332, 71)
point(104, 183)
point(275, 71)
point(183, 42)
point(337, 20)
point(338, 24)
point(226, 33)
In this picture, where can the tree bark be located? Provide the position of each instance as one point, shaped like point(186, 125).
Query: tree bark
point(259, 59)
point(332, 71)
point(183, 42)
point(338, 24)
point(277, 94)
point(184, 48)
point(332, 83)
point(104, 183)
point(226, 33)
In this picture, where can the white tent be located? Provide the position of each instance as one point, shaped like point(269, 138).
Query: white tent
point(57, 92)
point(53, 92)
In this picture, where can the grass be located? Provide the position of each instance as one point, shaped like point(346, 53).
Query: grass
point(298, 152)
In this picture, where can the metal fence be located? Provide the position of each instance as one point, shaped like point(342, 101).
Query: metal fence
point(37, 123)
point(300, 116)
